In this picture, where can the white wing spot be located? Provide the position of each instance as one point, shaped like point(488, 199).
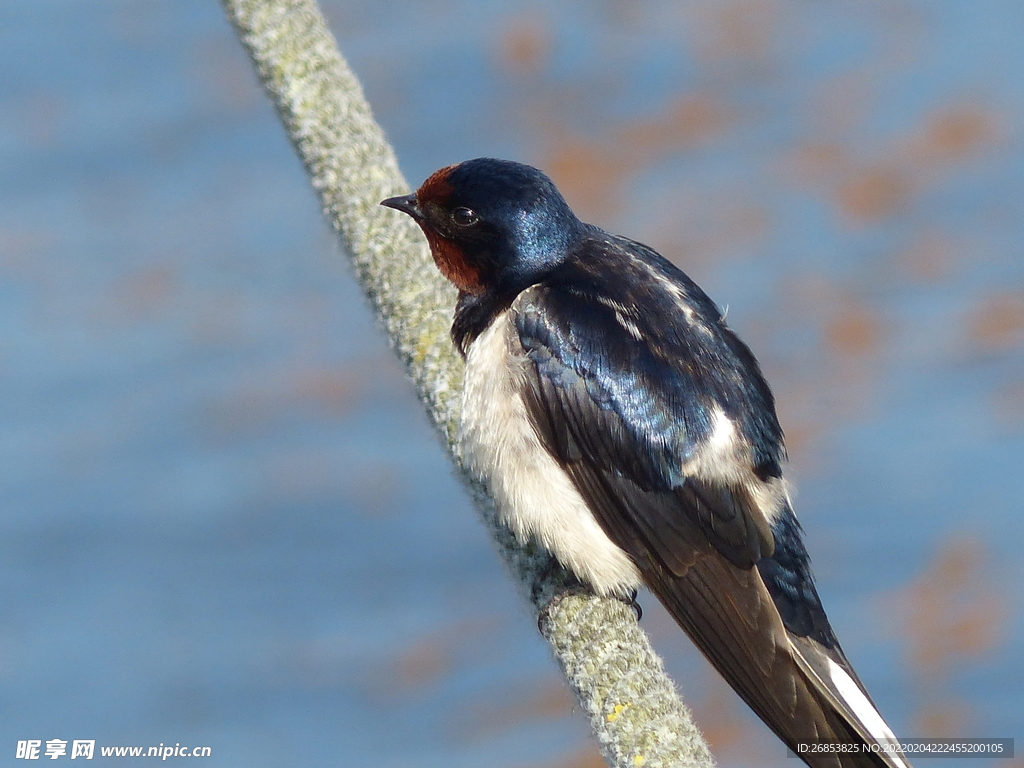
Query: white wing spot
point(724, 458)
point(723, 433)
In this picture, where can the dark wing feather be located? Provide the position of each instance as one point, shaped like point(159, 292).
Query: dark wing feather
point(696, 543)
point(642, 410)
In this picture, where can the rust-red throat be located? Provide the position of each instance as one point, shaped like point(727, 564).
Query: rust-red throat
point(436, 192)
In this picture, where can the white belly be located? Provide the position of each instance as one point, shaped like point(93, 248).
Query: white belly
point(534, 497)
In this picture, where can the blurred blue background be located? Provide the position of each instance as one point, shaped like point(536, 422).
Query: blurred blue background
point(224, 520)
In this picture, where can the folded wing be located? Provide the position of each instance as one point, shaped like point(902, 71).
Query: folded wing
point(624, 421)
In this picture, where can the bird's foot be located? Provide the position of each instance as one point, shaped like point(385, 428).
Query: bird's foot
point(630, 600)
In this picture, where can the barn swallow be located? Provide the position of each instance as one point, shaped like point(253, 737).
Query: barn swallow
point(620, 423)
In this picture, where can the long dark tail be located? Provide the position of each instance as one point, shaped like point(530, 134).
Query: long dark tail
point(806, 693)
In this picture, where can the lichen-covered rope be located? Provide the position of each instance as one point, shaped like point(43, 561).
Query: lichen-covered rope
point(633, 707)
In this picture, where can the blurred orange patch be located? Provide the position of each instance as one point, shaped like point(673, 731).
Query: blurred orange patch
point(957, 132)
point(883, 180)
point(426, 662)
point(853, 331)
point(930, 257)
point(430, 659)
point(592, 171)
point(953, 611)
point(329, 388)
point(525, 45)
point(142, 295)
point(950, 616)
point(943, 716)
point(838, 380)
point(509, 708)
point(727, 730)
point(272, 394)
point(589, 174)
point(586, 757)
point(999, 322)
point(737, 31)
point(875, 192)
point(688, 120)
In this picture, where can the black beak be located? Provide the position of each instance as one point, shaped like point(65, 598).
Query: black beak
point(406, 204)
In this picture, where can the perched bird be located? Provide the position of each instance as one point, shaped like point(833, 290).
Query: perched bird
point(619, 422)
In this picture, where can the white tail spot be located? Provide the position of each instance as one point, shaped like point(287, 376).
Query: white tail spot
point(863, 708)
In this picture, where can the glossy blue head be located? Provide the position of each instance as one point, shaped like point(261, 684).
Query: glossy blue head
point(492, 224)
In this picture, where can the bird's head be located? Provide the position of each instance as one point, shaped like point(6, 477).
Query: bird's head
point(492, 224)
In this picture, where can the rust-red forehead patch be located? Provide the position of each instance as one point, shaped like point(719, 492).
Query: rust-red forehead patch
point(437, 188)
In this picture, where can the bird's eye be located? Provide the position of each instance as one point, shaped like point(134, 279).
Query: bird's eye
point(465, 217)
